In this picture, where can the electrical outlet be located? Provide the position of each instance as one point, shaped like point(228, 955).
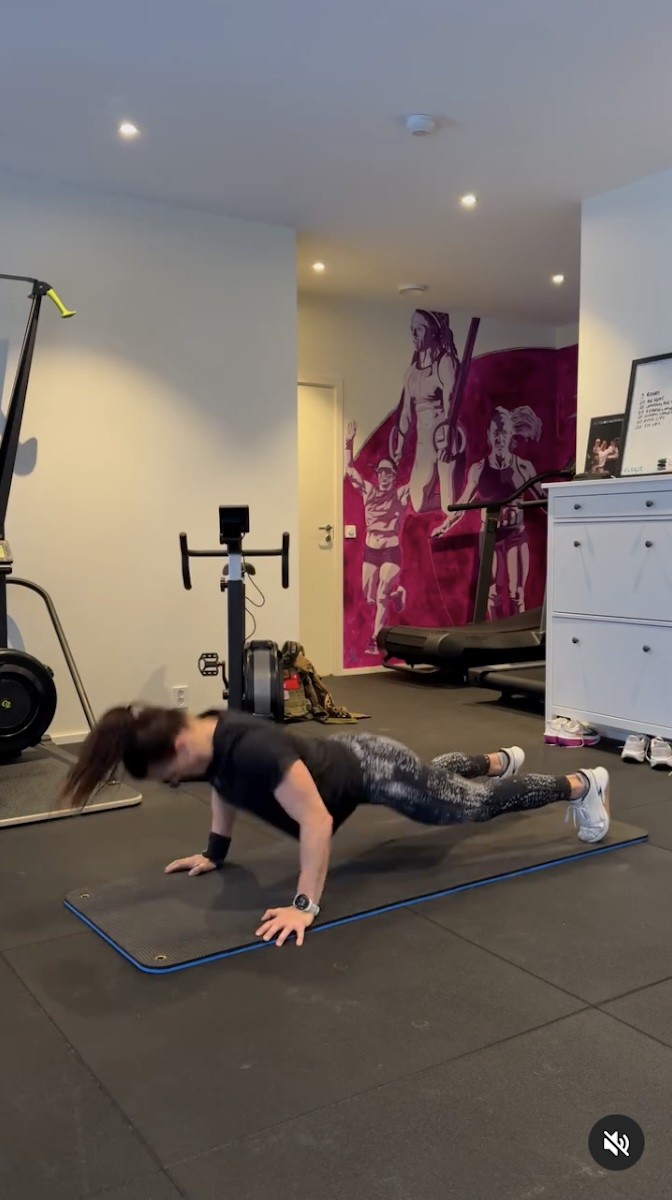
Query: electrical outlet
point(351, 532)
point(180, 695)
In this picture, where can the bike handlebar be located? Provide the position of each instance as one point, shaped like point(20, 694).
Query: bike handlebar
point(186, 553)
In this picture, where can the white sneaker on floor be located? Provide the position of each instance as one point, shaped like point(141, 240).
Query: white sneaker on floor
point(660, 754)
point(591, 813)
point(516, 759)
point(636, 748)
point(564, 731)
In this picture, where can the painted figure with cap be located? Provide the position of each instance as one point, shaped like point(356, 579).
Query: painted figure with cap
point(384, 506)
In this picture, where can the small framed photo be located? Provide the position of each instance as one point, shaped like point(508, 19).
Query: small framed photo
point(603, 452)
point(647, 428)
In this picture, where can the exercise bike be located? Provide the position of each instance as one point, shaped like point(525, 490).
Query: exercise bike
point(254, 682)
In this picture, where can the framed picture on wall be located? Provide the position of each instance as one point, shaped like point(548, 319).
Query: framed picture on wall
point(603, 451)
point(647, 429)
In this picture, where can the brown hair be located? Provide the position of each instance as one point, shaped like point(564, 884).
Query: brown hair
point(139, 738)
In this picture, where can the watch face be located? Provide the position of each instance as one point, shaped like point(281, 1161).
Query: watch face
point(302, 903)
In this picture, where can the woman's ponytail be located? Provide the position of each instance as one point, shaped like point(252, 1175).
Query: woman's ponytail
point(103, 750)
point(137, 738)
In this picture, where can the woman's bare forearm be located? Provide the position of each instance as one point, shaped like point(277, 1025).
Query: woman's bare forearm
point(223, 815)
point(315, 850)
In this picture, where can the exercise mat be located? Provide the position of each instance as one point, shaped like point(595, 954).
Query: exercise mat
point(380, 861)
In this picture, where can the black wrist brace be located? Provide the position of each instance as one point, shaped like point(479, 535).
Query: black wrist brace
point(217, 849)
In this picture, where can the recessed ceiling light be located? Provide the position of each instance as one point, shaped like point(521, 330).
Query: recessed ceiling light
point(558, 280)
point(468, 201)
point(319, 267)
point(128, 130)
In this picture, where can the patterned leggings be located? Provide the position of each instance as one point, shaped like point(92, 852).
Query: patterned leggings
point(448, 790)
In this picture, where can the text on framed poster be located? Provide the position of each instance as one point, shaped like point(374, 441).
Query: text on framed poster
point(647, 428)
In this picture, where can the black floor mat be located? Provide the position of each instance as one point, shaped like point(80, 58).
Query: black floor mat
point(29, 788)
point(379, 862)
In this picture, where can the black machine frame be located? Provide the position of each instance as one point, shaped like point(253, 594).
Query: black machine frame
point(455, 650)
point(27, 691)
point(522, 680)
point(253, 681)
point(517, 679)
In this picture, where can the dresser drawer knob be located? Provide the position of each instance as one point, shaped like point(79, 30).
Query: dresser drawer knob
point(575, 641)
point(648, 545)
point(646, 649)
point(577, 507)
point(649, 504)
point(577, 544)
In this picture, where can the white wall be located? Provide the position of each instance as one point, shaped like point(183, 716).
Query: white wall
point(367, 347)
point(566, 335)
point(626, 303)
point(172, 391)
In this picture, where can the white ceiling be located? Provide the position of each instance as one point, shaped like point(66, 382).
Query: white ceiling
point(290, 111)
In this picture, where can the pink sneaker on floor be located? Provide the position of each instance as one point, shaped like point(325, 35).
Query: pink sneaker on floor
point(564, 731)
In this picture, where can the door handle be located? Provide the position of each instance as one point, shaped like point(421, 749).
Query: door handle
point(325, 528)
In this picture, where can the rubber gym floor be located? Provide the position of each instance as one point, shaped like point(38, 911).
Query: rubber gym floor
point(463, 1048)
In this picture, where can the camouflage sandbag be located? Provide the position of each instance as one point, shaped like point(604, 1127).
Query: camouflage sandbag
point(297, 706)
point(318, 699)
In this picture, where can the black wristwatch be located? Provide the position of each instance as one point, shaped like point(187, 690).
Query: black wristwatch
point(305, 904)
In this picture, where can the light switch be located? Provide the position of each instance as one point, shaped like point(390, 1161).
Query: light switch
point(351, 531)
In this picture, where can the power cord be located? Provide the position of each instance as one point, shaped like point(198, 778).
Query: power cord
point(248, 601)
point(249, 636)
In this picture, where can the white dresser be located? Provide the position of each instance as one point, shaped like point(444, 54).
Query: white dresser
point(609, 604)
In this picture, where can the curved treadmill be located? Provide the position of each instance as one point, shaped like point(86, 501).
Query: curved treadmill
point(518, 638)
point(517, 680)
point(510, 640)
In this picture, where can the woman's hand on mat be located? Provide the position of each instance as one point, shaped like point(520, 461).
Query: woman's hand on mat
point(280, 923)
point(196, 864)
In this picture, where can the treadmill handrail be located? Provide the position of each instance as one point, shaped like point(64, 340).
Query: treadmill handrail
point(493, 506)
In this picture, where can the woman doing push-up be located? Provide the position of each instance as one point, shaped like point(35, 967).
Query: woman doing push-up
point(308, 786)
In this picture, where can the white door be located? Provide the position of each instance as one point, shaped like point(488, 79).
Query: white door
point(319, 537)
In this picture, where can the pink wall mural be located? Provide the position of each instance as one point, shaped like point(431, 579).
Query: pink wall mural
point(464, 429)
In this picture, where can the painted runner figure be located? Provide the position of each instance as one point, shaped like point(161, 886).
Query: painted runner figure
point(497, 475)
point(426, 400)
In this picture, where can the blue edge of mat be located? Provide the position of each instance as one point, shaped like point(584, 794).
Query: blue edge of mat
point(373, 912)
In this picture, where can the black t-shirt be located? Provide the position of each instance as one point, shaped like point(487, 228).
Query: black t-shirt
point(251, 758)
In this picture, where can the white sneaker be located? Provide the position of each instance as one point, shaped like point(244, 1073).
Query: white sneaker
point(660, 754)
point(564, 731)
point(636, 748)
point(590, 814)
point(514, 760)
